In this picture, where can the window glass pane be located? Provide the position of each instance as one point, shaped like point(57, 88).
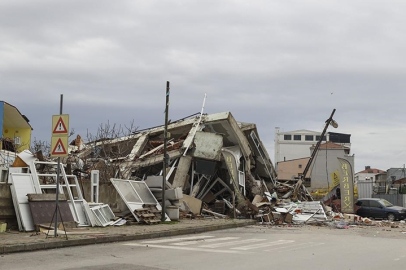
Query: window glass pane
point(374, 204)
point(143, 191)
point(318, 138)
point(287, 137)
point(297, 137)
point(364, 203)
point(309, 137)
point(386, 203)
point(127, 190)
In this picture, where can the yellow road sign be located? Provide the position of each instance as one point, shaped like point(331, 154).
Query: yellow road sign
point(60, 125)
point(59, 146)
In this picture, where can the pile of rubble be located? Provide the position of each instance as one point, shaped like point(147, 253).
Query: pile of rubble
point(286, 212)
point(215, 167)
point(215, 161)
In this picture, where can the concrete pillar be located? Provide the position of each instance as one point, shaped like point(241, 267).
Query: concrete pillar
point(181, 175)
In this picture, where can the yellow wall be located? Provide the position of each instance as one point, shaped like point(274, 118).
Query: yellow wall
point(24, 133)
point(290, 168)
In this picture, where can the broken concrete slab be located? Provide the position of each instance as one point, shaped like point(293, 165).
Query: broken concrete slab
point(173, 194)
point(207, 146)
point(172, 212)
point(154, 181)
point(195, 205)
point(181, 175)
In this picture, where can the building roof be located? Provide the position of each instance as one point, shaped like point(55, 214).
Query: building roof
point(331, 145)
point(290, 160)
point(14, 118)
point(372, 170)
point(400, 181)
point(302, 131)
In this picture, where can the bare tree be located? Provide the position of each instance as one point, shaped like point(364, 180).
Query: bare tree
point(41, 146)
point(110, 145)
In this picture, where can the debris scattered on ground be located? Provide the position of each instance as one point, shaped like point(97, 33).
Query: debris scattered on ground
point(216, 168)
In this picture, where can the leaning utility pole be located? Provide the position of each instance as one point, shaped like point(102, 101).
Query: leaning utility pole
point(165, 153)
point(316, 148)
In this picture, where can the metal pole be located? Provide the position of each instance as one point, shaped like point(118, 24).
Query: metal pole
point(309, 163)
point(165, 154)
point(318, 144)
point(197, 126)
point(57, 182)
point(234, 210)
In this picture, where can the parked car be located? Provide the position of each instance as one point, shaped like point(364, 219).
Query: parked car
point(380, 208)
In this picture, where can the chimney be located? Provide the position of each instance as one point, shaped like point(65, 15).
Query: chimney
point(367, 167)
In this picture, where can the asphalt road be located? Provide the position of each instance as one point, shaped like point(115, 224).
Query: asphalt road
point(242, 248)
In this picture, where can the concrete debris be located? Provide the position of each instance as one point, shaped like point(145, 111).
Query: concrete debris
point(209, 157)
point(214, 213)
point(285, 212)
point(216, 167)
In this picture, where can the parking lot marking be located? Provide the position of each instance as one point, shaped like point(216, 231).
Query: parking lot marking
point(232, 243)
point(263, 245)
point(167, 240)
point(189, 248)
point(200, 241)
point(298, 246)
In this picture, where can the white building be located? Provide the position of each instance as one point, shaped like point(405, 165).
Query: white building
point(296, 144)
point(369, 174)
point(326, 163)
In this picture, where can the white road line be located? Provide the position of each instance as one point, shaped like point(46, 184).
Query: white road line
point(263, 245)
point(167, 240)
point(201, 241)
point(298, 246)
point(232, 243)
point(189, 248)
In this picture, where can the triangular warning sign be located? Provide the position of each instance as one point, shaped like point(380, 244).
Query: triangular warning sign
point(59, 148)
point(60, 127)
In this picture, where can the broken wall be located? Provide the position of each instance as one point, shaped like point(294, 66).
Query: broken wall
point(7, 213)
point(107, 195)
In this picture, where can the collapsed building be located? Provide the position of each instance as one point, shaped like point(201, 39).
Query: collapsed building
point(215, 166)
point(209, 157)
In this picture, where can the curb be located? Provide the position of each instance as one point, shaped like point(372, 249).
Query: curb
point(118, 238)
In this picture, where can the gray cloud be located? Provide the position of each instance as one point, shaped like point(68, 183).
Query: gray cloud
point(274, 63)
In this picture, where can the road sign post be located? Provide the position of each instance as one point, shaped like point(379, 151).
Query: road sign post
point(59, 148)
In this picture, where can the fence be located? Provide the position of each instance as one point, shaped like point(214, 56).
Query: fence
point(396, 199)
point(365, 189)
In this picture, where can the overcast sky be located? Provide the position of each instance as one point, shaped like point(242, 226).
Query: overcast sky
point(280, 63)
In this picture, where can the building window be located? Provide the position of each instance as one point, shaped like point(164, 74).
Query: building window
point(318, 138)
point(300, 166)
point(297, 137)
point(309, 137)
point(287, 137)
